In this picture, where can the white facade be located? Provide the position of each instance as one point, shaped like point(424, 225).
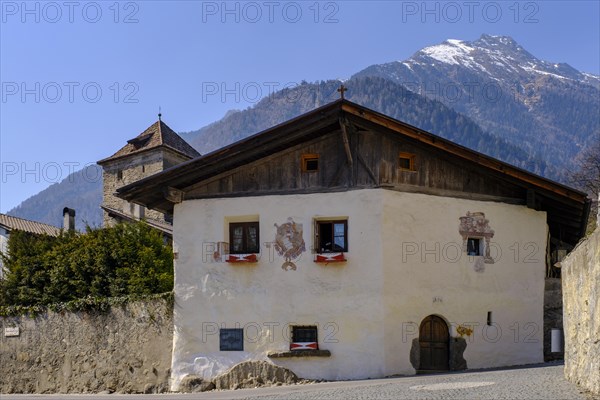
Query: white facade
point(405, 261)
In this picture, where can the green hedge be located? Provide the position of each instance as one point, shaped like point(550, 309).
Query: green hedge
point(87, 304)
point(76, 269)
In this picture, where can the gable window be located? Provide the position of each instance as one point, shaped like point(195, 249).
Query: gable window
point(243, 237)
point(310, 162)
point(474, 247)
point(304, 338)
point(119, 174)
point(332, 236)
point(231, 339)
point(406, 162)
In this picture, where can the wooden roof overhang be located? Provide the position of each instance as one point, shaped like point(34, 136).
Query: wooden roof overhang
point(566, 207)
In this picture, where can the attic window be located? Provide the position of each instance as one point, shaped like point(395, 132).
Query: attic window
point(406, 162)
point(138, 142)
point(310, 162)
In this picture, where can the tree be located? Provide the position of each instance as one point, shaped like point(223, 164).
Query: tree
point(587, 178)
point(126, 259)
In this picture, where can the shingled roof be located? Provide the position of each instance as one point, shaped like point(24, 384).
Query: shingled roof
point(157, 135)
point(14, 223)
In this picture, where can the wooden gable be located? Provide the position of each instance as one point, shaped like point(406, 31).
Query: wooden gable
point(374, 162)
point(359, 148)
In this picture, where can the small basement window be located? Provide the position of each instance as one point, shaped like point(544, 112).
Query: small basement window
point(304, 338)
point(332, 236)
point(231, 339)
point(406, 162)
point(474, 247)
point(243, 237)
point(310, 162)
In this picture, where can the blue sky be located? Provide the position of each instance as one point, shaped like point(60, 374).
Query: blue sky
point(79, 78)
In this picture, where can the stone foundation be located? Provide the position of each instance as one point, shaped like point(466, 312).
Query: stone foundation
point(248, 374)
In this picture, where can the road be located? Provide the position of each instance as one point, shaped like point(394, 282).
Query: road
point(541, 382)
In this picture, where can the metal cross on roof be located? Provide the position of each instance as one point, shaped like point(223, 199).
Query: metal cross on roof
point(341, 90)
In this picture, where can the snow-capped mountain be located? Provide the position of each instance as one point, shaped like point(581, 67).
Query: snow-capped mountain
point(500, 58)
point(549, 109)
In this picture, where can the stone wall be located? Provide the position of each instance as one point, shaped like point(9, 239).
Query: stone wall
point(126, 350)
point(132, 169)
point(581, 304)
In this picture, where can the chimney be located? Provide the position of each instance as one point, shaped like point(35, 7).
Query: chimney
point(68, 219)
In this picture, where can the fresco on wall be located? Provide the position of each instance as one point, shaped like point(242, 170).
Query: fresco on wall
point(476, 234)
point(289, 243)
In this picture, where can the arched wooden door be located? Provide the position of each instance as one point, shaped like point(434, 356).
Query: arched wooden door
point(434, 341)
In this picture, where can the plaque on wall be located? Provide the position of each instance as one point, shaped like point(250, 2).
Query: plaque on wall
point(231, 339)
point(11, 331)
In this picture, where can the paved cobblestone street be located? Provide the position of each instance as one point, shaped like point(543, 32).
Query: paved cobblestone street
point(541, 382)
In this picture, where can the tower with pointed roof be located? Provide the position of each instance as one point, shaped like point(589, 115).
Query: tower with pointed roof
point(152, 151)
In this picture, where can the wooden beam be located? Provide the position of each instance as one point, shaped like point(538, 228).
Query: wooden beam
point(346, 143)
point(349, 158)
point(336, 189)
point(364, 164)
point(532, 201)
point(337, 176)
point(159, 204)
point(451, 193)
point(173, 195)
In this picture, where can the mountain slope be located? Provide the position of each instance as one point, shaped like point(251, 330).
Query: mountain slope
point(551, 110)
point(376, 93)
point(81, 190)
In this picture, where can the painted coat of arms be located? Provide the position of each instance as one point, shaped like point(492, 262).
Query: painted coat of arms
point(289, 242)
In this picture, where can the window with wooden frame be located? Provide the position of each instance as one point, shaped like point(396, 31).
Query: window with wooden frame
point(304, 338)
point(332, 236)
point(243, 237)
point(406, 161)
point(310, 162)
